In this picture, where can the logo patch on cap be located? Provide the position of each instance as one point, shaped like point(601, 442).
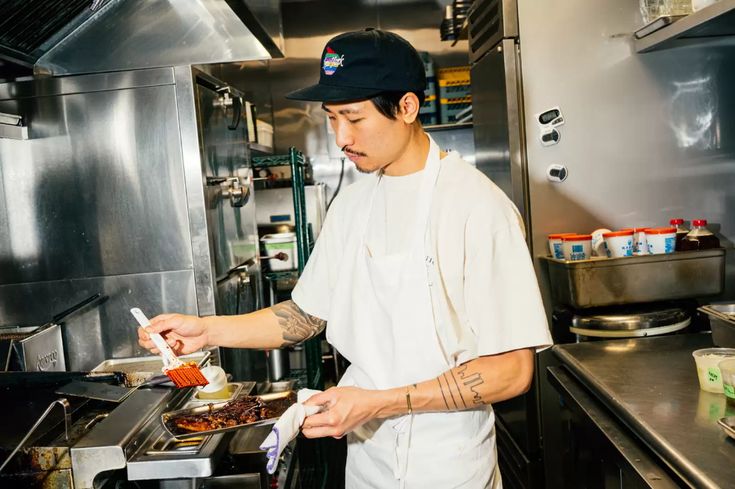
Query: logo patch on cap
point(332, 61)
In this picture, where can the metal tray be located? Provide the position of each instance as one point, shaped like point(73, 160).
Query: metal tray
point(728, 425)
point(213, 407)
point(722, 323)
point(649, 278)
point(139, 369)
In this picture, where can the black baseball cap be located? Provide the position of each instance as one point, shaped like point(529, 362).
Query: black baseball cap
point(361, 64)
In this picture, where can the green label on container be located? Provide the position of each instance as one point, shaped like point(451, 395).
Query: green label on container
point(713, 374)
point(729, 391)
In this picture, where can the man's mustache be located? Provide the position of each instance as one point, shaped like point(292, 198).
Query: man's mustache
point(344, 148)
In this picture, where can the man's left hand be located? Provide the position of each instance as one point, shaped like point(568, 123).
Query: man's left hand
point(345, 408)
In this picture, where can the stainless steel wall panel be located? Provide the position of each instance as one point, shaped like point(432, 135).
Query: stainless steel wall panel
point(83, 196)
point(195, 182)
point(98, 82)
point(105, 331)
point(647, 136)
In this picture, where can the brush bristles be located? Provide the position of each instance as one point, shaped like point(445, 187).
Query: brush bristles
point(187, 376)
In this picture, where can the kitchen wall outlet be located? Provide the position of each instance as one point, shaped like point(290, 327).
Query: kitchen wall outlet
point(557, 173)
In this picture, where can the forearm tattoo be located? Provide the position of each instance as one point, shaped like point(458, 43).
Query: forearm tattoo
point(460, 389)
point(296, 325)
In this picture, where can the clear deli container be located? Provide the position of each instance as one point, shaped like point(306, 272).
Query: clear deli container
point(708, 367)
point(727, 370)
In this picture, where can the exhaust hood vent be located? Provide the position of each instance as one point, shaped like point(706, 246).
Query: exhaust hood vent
point(28, 26)
point(63, 37)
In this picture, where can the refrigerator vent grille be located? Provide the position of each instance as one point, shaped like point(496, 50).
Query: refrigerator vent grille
point(485, 27)
point(26, 24)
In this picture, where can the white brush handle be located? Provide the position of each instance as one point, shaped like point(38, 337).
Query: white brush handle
point(169, 357)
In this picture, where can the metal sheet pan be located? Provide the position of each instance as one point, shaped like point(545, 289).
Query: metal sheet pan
point(610, 281)
point(139, 369)
point(289, 396)
point(722, 323)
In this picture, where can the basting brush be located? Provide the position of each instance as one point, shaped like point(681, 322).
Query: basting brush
point(182, 374)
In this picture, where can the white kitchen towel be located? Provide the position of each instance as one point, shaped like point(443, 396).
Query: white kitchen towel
point(287, 427)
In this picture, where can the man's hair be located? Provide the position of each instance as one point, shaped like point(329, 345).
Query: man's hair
point(388, 103)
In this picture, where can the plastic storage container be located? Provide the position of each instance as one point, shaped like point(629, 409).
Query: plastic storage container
point(661, 240)
point(619, 243)
point(555, 245)
point(653, 9)
point(280, 243)
point(727, 369)
point(708, 367)
point(577, 247)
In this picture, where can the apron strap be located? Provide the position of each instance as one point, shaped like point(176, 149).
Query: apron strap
point(426, 192)
point(401, 448)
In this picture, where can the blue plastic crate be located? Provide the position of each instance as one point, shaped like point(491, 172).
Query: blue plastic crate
point(455, 91)
point(430, 106)
point(448, 112)
point(429, 119)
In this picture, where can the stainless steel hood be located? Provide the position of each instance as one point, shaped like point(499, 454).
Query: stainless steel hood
point(61, 37)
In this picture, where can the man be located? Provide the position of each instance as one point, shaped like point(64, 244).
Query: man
point(423, 277)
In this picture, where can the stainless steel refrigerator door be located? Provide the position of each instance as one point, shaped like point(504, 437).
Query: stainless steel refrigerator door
point(498, 122)
point(233, 235)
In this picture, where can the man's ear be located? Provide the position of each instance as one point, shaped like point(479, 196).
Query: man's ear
point(409, 108)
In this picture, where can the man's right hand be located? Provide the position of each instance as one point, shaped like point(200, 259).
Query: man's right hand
point(185, 334)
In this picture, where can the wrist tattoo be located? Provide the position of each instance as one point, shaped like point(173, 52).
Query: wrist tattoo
point(456, 385)
point(472, 381)
point(296, 325)
point(441, 389)
point(461, 389)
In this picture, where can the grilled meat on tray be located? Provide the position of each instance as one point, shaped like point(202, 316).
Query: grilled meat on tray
point(248, 409)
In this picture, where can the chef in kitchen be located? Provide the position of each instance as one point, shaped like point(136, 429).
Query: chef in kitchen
point(421, 277)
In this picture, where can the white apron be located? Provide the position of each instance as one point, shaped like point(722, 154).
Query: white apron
point(383, 322)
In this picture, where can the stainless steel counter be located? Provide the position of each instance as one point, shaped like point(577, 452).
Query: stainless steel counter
point(651, 385)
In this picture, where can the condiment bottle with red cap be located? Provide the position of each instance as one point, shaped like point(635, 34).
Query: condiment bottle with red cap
point(681, 231)
point(700, 238)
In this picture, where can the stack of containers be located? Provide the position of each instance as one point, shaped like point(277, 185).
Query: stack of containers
point(429, 113)
point(454, 92)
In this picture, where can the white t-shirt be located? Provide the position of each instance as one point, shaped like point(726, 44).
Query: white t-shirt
point(489, 287)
